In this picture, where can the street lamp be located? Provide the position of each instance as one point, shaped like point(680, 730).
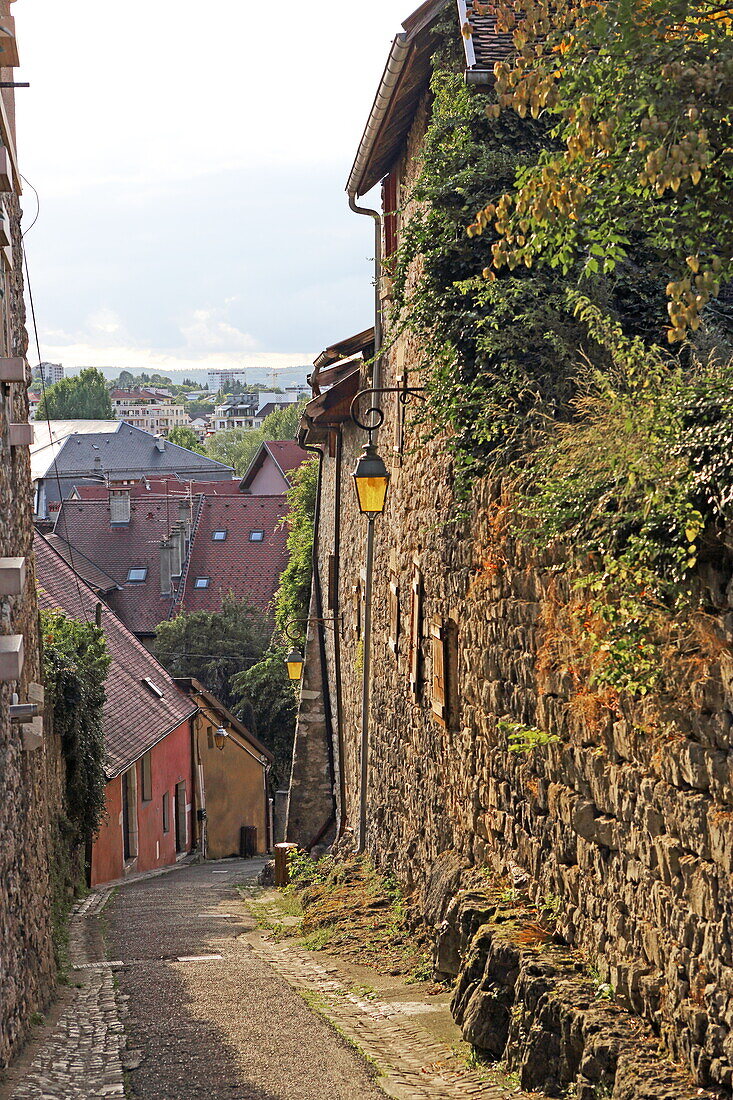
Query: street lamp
point(295, 662)
point(371, 479)
point(220, 738)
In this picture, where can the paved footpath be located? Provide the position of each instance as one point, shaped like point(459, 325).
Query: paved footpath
point(191, 1001)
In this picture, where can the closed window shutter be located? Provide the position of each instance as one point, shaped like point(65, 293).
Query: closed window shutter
point(438, 635)
point(389, 208)
point(394, 616)
point(415, 631)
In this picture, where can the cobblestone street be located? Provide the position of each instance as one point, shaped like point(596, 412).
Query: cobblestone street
point(193, 1001)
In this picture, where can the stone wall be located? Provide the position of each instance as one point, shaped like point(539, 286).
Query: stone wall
point(31, 781)
point(630, 833)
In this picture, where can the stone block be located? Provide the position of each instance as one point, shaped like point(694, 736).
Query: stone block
point(12, 369)
point(33, 735)
point(11, 657)
point(12, 576)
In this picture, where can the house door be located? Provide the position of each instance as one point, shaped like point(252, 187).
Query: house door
point(181, 822)
point(129, 814)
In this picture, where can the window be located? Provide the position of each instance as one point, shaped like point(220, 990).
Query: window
point(219, 536)
point(137, 576)
point(415, 629)
point(166, 812)
point(202, 582)
point(390, 207)
point(153, 687)
point(256, 536)
point(146, 778)
point(129, 814)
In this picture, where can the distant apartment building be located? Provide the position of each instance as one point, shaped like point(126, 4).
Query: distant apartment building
point(220, 379)
point(249, 410)
point(49, 373)
point(152, 410)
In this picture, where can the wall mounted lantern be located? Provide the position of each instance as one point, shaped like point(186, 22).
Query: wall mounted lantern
point(295, 660)
point(371, 476)
point(220, 738)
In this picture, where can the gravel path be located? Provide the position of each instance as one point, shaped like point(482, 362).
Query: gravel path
point(199, 1025)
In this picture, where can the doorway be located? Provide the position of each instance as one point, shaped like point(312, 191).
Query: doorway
point(181, 818)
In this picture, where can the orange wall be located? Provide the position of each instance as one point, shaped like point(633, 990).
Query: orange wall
point(170, 764)
point(235, 793)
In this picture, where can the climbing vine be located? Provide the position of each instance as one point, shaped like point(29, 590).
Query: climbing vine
point(613, 453)
point(75, 668)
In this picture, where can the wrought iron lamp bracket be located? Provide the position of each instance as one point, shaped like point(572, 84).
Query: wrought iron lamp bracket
point(332, 621)
point(403, 393)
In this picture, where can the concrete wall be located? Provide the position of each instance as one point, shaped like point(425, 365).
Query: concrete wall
point(268, 481)
point(632, 832)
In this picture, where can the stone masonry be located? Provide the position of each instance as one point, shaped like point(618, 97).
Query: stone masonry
point(633, 834)
point(30, 779)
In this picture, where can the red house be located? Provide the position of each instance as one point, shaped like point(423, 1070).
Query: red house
point(148, 736)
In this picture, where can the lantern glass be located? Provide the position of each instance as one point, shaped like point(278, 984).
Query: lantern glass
point(295, 664)
point(220, 738)
point(371, 478)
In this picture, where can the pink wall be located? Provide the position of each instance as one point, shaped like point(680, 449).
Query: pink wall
point(268, 481)
point(171, 763)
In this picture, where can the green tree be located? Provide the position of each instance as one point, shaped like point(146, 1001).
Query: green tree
point(125, 379)
point(84, 397)
point(212, 646)
point(186, 437)
point(238, 446)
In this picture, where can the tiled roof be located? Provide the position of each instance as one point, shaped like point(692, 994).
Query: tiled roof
point(250, 570)
point(485, 45)
point(135, 718)
point(49, 438)
point(151, 487)
point(86, 526)
point(99, 581)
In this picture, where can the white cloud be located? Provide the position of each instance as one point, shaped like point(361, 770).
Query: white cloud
point(208, 331)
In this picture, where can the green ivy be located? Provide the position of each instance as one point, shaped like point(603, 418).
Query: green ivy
point(75, 669)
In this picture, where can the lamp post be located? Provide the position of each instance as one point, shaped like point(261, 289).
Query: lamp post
point(371, 481)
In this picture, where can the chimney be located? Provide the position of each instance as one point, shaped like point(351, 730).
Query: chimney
point(159, 443)
point(97, 463)
point(166, 586)
point(176, 554)
point(119, 507)
point(184, 518)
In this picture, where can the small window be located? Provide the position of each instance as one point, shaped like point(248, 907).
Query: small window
point(394, 614)
point(146, 777)
point(166, 812)
point(153, 687)
point(256, 536)
point(219, 536)
point(137, 576)
point(202, 582)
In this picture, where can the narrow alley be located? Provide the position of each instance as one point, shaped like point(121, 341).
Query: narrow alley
point(174, 994)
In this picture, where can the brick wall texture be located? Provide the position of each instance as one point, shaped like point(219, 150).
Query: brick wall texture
point(633, 833)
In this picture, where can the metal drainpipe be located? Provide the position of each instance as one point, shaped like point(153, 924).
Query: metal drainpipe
point(366, 678)
point(322, 642)
point(337, 633)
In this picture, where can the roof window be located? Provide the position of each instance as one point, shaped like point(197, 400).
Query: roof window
point(137, 575)
point(219, 536)
point(153, 687)
point(202, 582)
point(256, 536)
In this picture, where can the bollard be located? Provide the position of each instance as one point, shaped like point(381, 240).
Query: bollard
point(282, 875)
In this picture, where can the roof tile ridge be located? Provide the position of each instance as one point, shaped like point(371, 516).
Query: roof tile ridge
point(178, 599)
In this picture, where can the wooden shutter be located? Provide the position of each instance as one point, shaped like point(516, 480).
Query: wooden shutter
point(415, 630)
point(390, 202)
point(439, 636)
point(332, 602)
point(394, 615)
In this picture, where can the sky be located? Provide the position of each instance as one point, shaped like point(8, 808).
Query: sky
point(190, 161)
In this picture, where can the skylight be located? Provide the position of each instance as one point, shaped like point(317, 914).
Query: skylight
point(153, 687)
point(219, 536)
point(202, 582)
point(137, 575)
point(256, 536)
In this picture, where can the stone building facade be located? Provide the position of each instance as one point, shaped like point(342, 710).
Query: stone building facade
point(31, 778)
point(630, 836)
